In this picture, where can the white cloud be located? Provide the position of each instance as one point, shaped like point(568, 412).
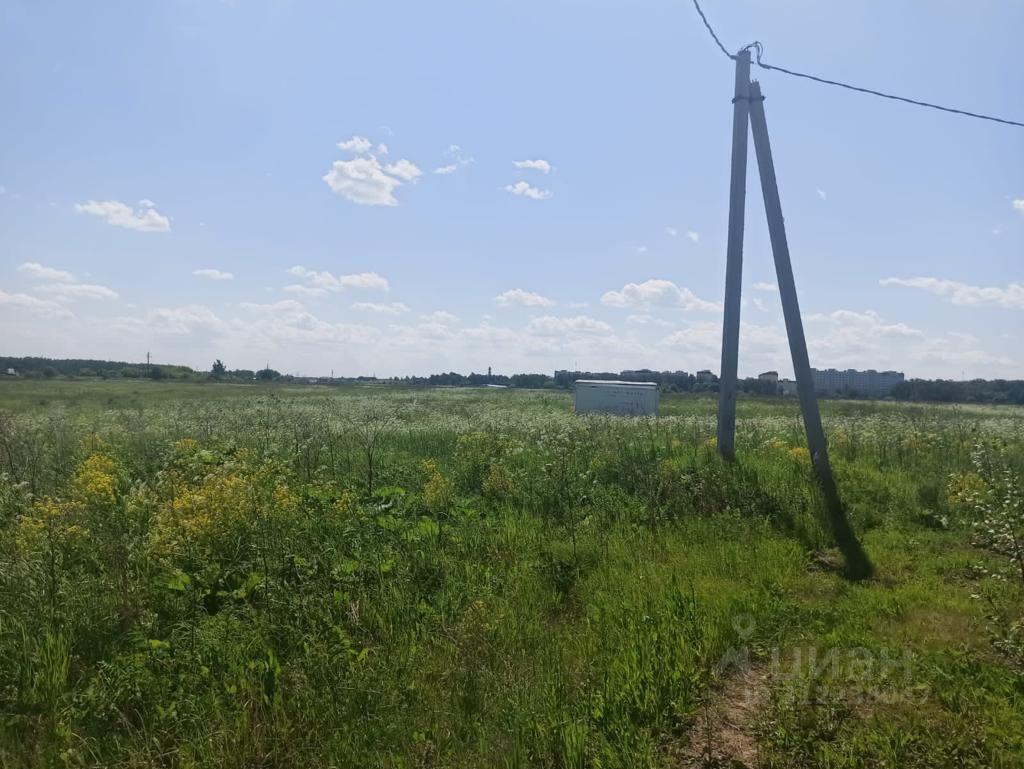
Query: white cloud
point(213, 274)
point(521, 297)
point(1019, 204)
point(282, 305)
point(359, 145)
point(868, 323)
point(694, 236)
point(655, 292)
point(537, 165)
point(42, 272)
point(296, 288)
point(647, 320)
point(178, 321)
point(319, 283)
point(822, 194)
point(549, 325)
point(42, 307)
point(766, 287)
point(404, 170)
point(964, 293)
point(118, 214)
point(672, 231)
point(363, 179)
point(458, 160)
point(79, 291)
point(527, 191)
point(393, 308)
point(440, 316)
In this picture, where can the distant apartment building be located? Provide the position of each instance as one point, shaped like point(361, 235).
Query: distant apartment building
point(705, 375)
point(769, 376)
point(870, 382)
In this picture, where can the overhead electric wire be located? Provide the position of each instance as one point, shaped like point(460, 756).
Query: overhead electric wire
point(758, 51)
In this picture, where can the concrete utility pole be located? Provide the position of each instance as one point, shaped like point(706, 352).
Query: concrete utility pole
point(857, 561)
point(734, 260)
point(748, 108)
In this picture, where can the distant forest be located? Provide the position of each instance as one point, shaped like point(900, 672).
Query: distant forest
point(928, 390)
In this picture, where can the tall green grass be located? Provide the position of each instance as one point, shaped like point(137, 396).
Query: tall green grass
point(240, 576)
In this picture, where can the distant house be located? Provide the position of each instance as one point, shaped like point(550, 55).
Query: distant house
point(11, 372)
point(870, 382)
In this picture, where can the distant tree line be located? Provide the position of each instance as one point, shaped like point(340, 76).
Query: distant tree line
point(48, 368)
point(973, 391)
point(929, 390)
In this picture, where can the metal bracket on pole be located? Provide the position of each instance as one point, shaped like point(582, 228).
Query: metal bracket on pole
point(734, 260)
point(857, 563)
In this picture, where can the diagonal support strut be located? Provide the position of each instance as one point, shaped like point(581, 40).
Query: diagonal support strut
point(857, 564)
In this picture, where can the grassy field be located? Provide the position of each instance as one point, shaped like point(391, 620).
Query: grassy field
point(242, 576)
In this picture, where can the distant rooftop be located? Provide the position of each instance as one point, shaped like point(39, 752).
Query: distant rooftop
point(615, 383)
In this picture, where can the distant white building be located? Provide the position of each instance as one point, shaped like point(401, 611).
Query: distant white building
point(11, 372)
point(611, 397)
point(769, 376)
point(870, 382)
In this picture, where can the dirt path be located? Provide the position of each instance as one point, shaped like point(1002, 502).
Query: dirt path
point(723, 735)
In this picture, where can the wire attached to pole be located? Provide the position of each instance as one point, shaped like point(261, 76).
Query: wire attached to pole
point(759, 50)
point(712, 31)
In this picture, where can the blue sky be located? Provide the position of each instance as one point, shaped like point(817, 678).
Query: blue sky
point(399, 187)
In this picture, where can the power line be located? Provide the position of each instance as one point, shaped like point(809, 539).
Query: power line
point(759, 50)
point(712, 31)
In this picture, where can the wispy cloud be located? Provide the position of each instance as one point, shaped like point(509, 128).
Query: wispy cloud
point(42, 272)
point(521, 297)
point(455, 160)
point(63, 284)
point(440, 316)
point(42, 307)
point(318, 283)
point(535, 165)
point(549, 325)
point(657, 293)
point(393, 308)
point(694, 236)
point(528, 191)
point(956, 292)
point(213, 274)
point(117, 214)
point(79, 291)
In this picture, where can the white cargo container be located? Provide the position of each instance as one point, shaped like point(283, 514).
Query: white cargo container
point(629, 398)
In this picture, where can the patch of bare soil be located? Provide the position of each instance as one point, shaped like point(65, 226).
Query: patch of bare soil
point(723, 736)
